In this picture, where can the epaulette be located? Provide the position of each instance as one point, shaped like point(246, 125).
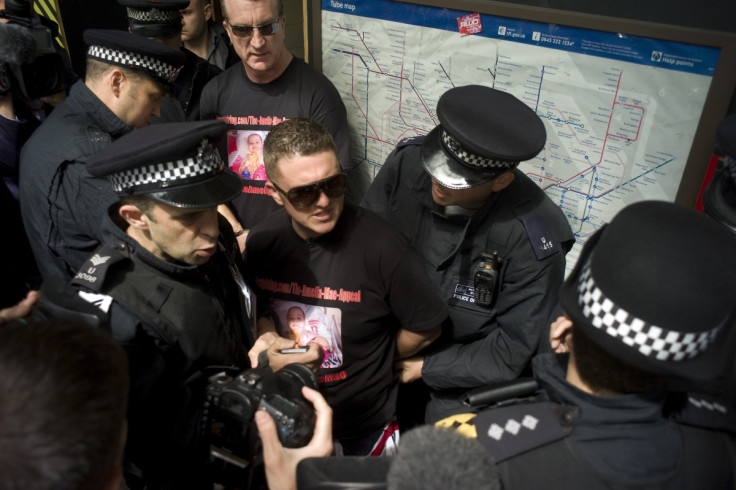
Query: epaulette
point(92, 273)
point(514, 429)
point(414, 140)
point(707, 412)
point(96, 135)
point(540, 236)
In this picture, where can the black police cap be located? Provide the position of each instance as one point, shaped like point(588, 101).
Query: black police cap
point(654, 289)
point(154, 18)
point(482, 133)
point(173, 163)
point(121, 48)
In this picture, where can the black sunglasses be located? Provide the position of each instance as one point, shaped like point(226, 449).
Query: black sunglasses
point(306, 195)
point(247, 31)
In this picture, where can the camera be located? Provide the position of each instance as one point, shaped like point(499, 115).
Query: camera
point(231, 402)
point(34, 66)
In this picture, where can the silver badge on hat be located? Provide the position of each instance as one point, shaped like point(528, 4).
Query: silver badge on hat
point(208, 157)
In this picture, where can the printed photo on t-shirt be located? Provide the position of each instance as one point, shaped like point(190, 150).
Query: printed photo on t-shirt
point(307, 324)
point(245, 153)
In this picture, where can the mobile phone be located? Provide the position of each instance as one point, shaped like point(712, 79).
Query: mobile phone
point(294, 350)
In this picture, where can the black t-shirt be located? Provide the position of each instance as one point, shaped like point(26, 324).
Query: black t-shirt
point(253, 109)
point(353, 288)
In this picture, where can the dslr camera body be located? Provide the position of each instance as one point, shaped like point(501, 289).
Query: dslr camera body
point(231, 402)
point(29, 59)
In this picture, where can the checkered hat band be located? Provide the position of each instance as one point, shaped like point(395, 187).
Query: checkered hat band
point(154, 15)
point(163, 70)
point(168, 174)
point(470, 159)
point(650, 340)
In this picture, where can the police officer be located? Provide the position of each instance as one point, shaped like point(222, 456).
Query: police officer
point(61, 204)
point(169, 278)
point(491, 241)
point(160, 20)
point(650, 301)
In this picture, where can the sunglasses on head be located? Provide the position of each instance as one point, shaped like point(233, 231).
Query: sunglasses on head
point(247, 31)
point(306, 195)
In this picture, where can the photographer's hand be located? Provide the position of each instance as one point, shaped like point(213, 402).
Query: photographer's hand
point(281, 462)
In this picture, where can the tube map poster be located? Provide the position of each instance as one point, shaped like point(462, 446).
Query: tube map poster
point(620, 111)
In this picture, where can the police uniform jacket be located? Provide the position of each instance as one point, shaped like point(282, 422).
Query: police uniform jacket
point(191, 81)
point(221, 52)
point(174, 320)
point(579, 440)
point(529, 233)
point(183, 103)
point(62, 205)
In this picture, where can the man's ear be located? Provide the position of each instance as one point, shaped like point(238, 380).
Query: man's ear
point(274, 193)
point(227, 31)
point(133, 216)
point(502, 181)
point(207, 11)
point(115, 80)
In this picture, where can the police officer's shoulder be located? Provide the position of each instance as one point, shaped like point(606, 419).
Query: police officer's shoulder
point(97, 138)
point(92, 274)
point(510, 430)
point(536, 221)
point(412, 141)
point(707, 412)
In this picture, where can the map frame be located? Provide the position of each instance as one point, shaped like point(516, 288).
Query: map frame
point(722, 89)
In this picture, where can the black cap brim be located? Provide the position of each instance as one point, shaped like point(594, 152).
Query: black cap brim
point(443, 167)
point(700, 368)
point(222, 188)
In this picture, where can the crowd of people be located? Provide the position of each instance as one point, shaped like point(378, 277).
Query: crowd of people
point(185, 206)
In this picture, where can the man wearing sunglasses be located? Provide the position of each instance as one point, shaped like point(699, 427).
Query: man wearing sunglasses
point(324, 253)
point(270, 85)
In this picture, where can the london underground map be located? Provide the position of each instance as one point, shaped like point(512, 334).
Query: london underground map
point(620, 112)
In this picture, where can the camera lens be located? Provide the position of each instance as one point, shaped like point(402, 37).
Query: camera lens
point(301, 374)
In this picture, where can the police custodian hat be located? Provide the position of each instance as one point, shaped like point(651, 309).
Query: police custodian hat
point(482, 133)
point(157, 19)
point(159, 62)
point(173, 163)
point(654, 289)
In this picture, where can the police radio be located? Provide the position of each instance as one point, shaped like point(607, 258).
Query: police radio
point(485, 279)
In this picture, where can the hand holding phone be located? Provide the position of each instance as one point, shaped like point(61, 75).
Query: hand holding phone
point(294, 350)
